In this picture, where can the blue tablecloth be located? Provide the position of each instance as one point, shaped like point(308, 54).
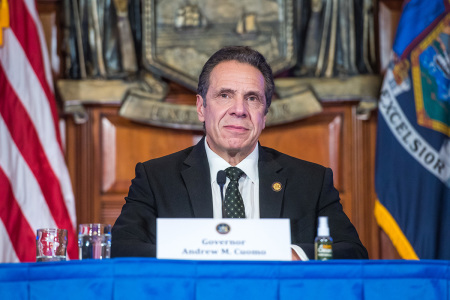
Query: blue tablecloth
point(148, 278)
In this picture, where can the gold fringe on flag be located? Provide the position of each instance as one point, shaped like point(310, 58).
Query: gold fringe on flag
point(390, 226)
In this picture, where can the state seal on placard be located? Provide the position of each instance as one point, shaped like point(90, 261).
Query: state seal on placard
point(223, 228)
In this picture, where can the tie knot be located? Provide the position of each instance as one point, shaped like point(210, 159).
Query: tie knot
point(234, 173)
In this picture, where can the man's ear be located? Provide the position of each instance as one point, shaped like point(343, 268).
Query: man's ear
point(200, 108)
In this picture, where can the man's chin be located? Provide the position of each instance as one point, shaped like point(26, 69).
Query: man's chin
point(237, 146)
point(236, 143)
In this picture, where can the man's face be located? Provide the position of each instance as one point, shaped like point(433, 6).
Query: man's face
point(234, 113)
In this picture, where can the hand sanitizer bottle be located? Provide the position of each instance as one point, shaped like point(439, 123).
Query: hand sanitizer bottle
point(323, 244)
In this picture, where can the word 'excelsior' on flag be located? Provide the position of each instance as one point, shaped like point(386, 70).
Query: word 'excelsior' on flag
point(412, 172)
point(35, 188)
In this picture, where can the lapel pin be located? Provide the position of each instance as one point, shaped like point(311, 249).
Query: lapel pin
point(276, 186)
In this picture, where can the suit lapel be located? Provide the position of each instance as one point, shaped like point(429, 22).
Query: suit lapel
point(270, 196)
point(198, 181)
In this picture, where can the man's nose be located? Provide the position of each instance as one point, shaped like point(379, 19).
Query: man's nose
point(239, 107)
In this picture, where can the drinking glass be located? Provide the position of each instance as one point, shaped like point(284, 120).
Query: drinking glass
point(94, 241)
point(51, 244)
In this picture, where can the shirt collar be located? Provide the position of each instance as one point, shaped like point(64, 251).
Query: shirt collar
point(249, 164)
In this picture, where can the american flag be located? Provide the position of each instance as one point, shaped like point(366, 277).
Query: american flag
point(35, 188)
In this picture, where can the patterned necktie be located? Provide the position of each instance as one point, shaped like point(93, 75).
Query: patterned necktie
point(234, 205)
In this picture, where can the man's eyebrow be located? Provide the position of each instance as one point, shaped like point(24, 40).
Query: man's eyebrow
point(226, 91)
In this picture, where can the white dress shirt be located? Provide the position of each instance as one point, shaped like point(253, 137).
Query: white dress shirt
point(248, 186)
point(248, 183)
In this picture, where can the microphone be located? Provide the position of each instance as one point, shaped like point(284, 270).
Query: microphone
point(221, 179)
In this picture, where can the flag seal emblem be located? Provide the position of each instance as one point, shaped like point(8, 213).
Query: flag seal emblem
point(430, 68)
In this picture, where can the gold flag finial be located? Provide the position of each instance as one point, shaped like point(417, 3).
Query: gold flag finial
point(4, 18)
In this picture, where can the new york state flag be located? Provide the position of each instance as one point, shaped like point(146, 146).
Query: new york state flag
point(412, 173)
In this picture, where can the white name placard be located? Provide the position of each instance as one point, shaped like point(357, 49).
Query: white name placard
point(223, 239)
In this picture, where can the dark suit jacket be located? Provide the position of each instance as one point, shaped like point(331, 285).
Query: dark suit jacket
point(179, 186)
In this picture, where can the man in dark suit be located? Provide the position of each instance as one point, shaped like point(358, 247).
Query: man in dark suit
point(234, 94)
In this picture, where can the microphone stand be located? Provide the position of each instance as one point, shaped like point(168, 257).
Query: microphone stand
point(221, 179)
point(221, 196)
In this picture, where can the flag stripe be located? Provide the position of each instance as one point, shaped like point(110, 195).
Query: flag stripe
point(26, 10)
point(7, 253)
point(23, 133)
point(36, 104)
point(21, 235)
point(25, 25)
point(32, 9)
point(30, 199)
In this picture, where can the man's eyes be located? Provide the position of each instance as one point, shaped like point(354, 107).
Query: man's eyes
point(253, 98)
